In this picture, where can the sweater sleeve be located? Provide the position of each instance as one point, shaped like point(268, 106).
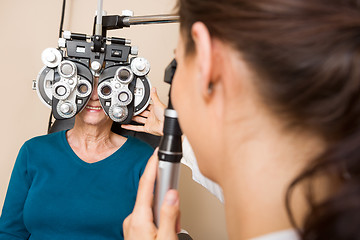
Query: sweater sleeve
point(11, 221)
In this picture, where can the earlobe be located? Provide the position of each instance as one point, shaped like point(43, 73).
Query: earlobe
point(203, 56)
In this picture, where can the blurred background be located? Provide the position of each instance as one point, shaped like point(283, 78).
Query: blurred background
point(28, 27)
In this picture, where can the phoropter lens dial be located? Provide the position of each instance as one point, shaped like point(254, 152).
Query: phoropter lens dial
point(118, 113)
point(105, 90)
point(83, 88)
point(66, 109)
point(67, 69)
point(125, 97)
point(124, 75)
point(61, 90)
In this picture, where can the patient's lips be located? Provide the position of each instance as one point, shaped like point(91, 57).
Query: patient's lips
point(93, 108)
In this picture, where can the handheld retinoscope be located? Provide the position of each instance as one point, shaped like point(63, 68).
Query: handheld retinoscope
point(170, 151)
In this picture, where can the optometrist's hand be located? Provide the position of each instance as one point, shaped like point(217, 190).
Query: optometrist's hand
point(139, 225)
point(152, 119)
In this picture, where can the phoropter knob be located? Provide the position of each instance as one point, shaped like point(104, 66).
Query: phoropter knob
point(66, 108)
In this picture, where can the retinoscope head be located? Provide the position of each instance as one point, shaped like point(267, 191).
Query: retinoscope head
point(169, 75)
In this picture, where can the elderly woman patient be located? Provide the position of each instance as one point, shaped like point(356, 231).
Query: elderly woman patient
point(75, 184)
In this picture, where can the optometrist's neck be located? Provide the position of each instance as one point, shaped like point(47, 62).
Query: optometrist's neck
point(261, 165)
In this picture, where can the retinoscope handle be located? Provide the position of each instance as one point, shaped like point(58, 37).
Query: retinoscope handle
point(170, 152)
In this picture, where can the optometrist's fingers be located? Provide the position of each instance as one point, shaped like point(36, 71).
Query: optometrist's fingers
point(155, 98)
point(136, 128)
point(139, 119)
point(145, 113)
point(169, 216)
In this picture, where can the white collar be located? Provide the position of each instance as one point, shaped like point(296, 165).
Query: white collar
point(289, 234)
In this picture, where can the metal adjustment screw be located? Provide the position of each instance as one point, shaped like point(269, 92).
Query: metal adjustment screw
point(127, 13)
point(118, 112)
point(95, 66)
point(104, 13)
point(66, 108)
point(62, 43)
point(140, 65)
point(134, 50)
point(67, 34)
point(34, 87)
point(50, 57)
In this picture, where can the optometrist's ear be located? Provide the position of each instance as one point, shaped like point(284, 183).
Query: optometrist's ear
point(203, 49)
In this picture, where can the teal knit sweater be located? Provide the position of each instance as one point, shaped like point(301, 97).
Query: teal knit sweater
point(53, 194)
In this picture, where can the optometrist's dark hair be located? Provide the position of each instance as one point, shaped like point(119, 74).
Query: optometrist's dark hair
point(306, 54)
